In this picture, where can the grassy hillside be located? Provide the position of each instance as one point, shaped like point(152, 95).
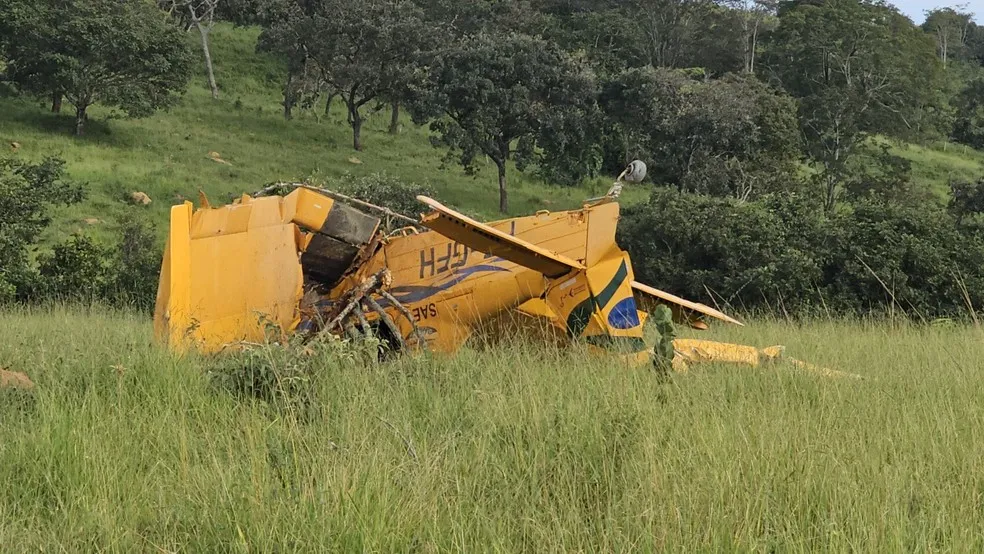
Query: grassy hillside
point(934, 167)
point(166, 156)
point(522, 449)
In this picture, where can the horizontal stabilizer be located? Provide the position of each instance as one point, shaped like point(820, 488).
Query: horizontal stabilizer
point(488, 240)
point(694, 306)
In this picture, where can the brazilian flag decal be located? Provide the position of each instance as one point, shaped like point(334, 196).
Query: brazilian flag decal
point(581, 314)
point(605, 296)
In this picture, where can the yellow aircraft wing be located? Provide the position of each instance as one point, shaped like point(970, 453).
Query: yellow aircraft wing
point(485, 239)
point(694, 306)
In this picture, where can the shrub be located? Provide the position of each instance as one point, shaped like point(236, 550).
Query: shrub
point(387, 191)
point(782, 254)
point(135, 266)
point(124, 273)
point(745, 253)
point(28, 193)
point(284, 376)
point(76, 270)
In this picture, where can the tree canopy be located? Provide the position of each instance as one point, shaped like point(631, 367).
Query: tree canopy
point(118, 53)
point(366, 50)
point(857, 68)
point(499, 95)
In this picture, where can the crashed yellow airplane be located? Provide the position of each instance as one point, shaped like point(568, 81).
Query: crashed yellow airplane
point(309, 262)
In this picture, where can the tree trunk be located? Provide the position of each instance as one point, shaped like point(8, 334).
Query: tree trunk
point(751, 66)
point(56, 102)
point(395, 119)
point(331, 98)
point(288, 97)
point(208, 60)
point(355, 118)
point(503, 196)
point(80, 119)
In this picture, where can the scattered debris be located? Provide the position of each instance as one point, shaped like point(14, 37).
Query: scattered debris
point(140, 198)
point(217, 158)
point(15, 146)
point(92, 221)
point(15, 380)
point(355, 161)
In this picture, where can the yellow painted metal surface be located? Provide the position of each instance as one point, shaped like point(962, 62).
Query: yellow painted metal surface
point(693, 351)
point(600, 240)
point(486, 239)
point(684, 303)
point(307, 208)
point(228, 272)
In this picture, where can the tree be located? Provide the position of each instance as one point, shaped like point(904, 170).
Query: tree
point(498, 95)
point(366, 49)
point(667, 28)
point(28, 192)
point(951, 29)
point(732, 136)
point(753, 18)
point(199, 14)
point(114, 52)
point(969, 125)
point(304, 77)
point(604, 29)
point(858, 68)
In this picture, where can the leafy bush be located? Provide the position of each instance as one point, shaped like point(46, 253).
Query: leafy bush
point(285, 376)
point(388, 191)
point(135, 266)
point(915, 259)
point(783, 255)
point(966, 199)
point(28, 192)
point(76, 270)
point(745, 253)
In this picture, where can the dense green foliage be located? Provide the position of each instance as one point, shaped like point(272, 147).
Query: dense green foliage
point(94, 51)
point(783, 254)
point(500, 95)
point(28, 192)
point(124, 273)
point(728, 137)
point(362, 50)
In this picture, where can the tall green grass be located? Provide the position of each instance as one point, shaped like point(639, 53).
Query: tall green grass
point(130, 449)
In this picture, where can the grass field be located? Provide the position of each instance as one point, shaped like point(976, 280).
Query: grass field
point(128, 449)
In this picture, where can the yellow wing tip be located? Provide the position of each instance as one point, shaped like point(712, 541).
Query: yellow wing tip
point(696, 306)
